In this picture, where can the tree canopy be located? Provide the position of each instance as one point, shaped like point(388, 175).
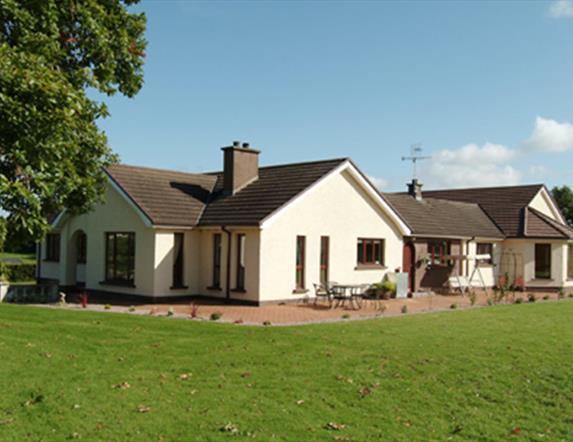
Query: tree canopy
point(51, 53)
point(564, 197)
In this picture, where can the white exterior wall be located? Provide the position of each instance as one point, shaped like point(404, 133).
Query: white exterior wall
point(340, 209)
point(252, 264)
point(115, 215)
point(543, 203)
point(525, 249)
point(489, 272)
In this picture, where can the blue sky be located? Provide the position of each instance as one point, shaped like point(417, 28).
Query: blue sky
point(486, 87)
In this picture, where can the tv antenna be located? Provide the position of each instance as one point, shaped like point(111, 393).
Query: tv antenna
point(415, 156)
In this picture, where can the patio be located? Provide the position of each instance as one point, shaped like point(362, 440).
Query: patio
point(307, 312)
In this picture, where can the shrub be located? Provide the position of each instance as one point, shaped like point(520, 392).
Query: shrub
point(532, 297)
point(489, 301)
point(518, 300)
point(170, 311)
point(389, 287)
point(345, 316)
point(546, 297)
point(404, 309)
point(571, 295)
point(107, 307)
point(266, 323)
point(215, 316)
point(131, 308)
point(453, 306)
point(20, 272)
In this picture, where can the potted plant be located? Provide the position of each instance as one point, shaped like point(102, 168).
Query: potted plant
point(384, 290)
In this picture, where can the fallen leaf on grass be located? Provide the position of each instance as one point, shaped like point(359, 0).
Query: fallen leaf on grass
point(334, 426)
point(143, 409)
point(300, 402)
point(122, 386)
point(185, 376)
point(516, 431)
point(46, 354)
point(229, 428)
point(74, 435)
point(246, 374)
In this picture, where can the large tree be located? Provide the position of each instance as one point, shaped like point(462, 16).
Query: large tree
point(51, 53)
point(564, 197)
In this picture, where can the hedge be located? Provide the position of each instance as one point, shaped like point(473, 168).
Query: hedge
point(20, 272)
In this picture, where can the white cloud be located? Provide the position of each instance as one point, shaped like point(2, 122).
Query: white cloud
point(561, 8)
point(380, 183)
point(537, 171)
point(550, 136)
point(472, 166)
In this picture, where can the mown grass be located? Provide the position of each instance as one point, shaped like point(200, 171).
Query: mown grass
point(24, 258)
point(498, 373)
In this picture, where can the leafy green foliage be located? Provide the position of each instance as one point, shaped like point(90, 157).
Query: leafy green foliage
point(476, 375)
point(20, 272)
point(51, 150)
point(564, 197)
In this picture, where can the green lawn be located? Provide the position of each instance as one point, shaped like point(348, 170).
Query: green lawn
point(24, 258)
point(490, 374)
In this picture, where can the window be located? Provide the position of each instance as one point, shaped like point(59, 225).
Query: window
point(53, 247)
point(437, 252)
point(370, 251)
point(120, 257)
point(324, 257)
point(570, 262)
point(240, 261)
point(178, 248)
point(542, 261)
point(300, 260)
point(216, 283)
point(81, 251)
point(483, 248)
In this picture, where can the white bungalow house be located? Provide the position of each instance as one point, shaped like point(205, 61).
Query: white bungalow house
point(266, 234)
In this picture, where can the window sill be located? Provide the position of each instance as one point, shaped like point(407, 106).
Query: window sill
point(50, 260)
point(370, 267)
point(299, 291)
point(118, 283)
point(542, 280)
point(178, 287)
point(238, 290)
point(218, 288)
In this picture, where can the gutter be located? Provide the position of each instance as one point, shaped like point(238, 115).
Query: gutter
point(228, 275)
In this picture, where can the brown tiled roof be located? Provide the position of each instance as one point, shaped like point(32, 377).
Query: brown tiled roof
point(166, 197)
point(276, 186)
point(439, 217)
point(539, 225)
point(504, 205)
point(186, 199)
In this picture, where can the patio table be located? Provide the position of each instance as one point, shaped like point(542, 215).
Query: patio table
point(343, 293)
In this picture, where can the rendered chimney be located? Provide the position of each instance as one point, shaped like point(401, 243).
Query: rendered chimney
point(241, 167)
point(415, 189)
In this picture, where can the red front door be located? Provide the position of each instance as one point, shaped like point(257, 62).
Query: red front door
point(408, 263)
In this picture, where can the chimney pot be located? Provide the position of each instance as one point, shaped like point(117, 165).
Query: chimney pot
point(236, 143)
point(415, 189)
point(246, 145)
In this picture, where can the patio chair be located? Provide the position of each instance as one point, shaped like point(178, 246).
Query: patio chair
point(359, 294)
point(320, 291)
